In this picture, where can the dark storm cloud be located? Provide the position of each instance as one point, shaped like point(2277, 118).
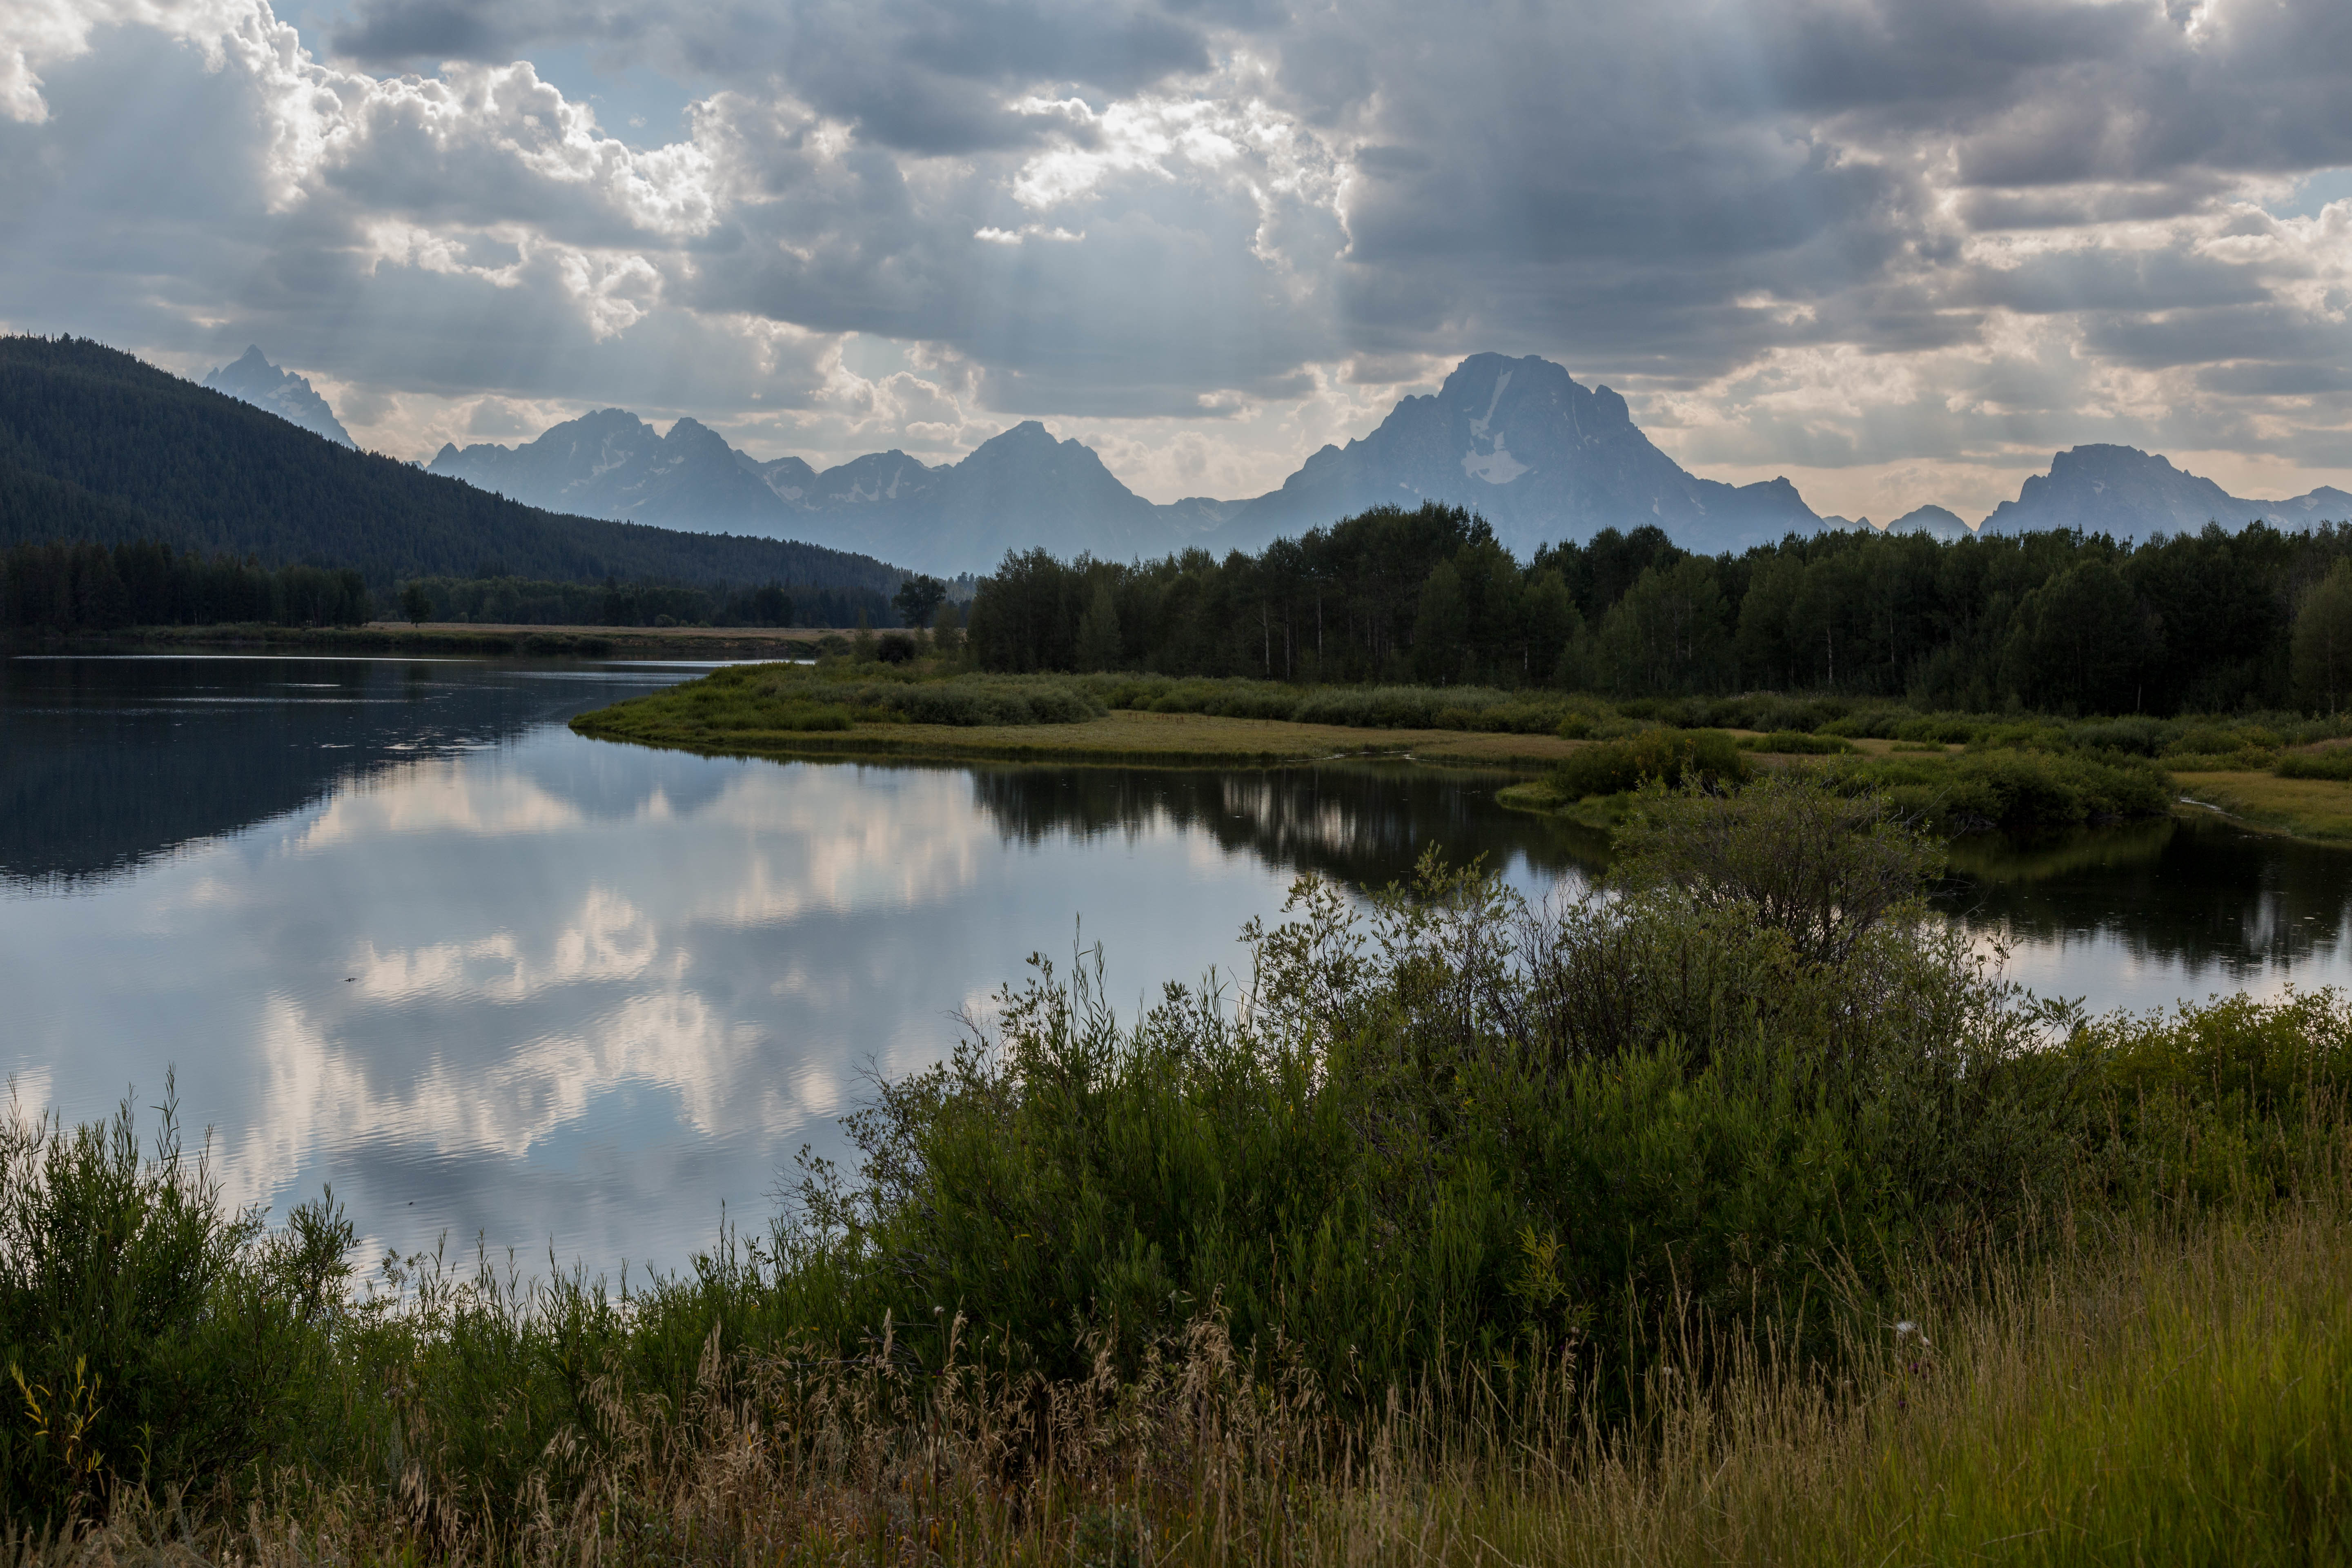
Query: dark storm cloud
point(2216, 334)
point(921, 75)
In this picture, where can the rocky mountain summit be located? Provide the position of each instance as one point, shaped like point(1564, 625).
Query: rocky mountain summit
point(1540, 457)
point(251, 378)
point(2132, 494)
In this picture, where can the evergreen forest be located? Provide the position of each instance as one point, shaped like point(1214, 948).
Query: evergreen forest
point(89, 588)
point(2057, 621)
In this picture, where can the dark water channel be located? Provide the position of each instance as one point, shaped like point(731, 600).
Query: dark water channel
point(398, 930)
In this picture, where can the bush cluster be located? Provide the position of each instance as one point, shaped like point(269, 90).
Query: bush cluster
point(1666, 757)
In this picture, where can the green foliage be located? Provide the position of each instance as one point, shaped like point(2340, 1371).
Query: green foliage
point(502, 600)
point(1853, 627)
point(89, 588)
point(918, 599)
point(1098, 639)
point(1797, 743)
point(2014, 790)
point(151, 1334)
point(2322, 646)
point(1666, 757)
point(744, 699)
point(2334, 762)
point(1822, 867)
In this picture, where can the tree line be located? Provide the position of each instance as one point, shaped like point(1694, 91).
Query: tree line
point(87, 586)
point(505, 600)
point(2056, 620)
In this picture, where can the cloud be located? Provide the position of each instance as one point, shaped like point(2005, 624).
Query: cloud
point(1861, 237)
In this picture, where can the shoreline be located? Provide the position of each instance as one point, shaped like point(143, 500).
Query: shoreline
point(487, 641)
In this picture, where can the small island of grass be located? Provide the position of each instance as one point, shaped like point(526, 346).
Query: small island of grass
point(1580, 756)
point(874, 709)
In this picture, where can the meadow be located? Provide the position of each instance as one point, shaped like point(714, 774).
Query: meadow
point(1742, 1214)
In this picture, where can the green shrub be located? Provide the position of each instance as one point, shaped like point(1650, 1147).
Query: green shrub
point(150, 1333)
point(1796, 743)
point(2135, 735)
point(2014, 790)
point(2334, 762)
point(1651, 756)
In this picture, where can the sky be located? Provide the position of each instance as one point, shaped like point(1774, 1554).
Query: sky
point(1897, 250)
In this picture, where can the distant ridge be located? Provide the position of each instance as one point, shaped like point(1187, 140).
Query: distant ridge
point(2132, 494)
point(1936, 521)
point(95, 444)
point(1019, 491)
point(253, 379)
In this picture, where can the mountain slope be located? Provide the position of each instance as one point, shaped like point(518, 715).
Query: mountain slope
point(95, 444)
point(1540, 457)
point(2131, 494)
point(253, 379)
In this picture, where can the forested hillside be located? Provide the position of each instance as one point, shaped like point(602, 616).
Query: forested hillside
point(95, 446)
point(2056, 620)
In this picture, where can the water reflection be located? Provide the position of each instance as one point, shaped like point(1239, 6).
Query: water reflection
point(1363, 822)
point(107, 763)
point(398, 929)
point(2138, 916)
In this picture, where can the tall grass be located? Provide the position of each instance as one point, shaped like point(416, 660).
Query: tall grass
point(2157, 1392)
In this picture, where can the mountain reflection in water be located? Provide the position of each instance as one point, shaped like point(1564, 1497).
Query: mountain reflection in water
point(398, 929)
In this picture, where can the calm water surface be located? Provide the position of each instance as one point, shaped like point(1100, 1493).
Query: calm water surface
point(398, 930)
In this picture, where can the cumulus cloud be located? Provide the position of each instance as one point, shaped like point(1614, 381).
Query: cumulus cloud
point(1870, 243)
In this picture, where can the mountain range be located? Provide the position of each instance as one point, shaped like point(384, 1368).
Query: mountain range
point(1518, 440)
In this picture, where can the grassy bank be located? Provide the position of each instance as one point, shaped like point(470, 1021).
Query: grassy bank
point(872, 710)
point(1571, 1233)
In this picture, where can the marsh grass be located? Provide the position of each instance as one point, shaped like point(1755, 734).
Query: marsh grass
point(2158, 1390)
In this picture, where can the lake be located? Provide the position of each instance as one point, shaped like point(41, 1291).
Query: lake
point(398, 930)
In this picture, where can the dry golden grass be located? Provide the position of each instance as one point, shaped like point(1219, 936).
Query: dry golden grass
point(2319, 809)
point(1123, 735)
